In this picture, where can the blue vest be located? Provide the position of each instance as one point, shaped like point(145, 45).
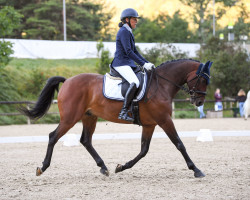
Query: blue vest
point(126, 52)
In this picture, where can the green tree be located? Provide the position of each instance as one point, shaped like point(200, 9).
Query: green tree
point(9, 19)
point(104, 58)
point(162, 53)
point(22, 7)
point(231, 70)
point(5, 52)
point(175, 29)
point(147, 31)
point(163, 29)
point(241, 26)
point(200, 18)
point(44, 19)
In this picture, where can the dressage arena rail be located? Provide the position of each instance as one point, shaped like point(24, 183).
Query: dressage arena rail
point(28, 103)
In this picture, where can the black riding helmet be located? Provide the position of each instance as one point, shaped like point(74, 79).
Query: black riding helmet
point(128, 13)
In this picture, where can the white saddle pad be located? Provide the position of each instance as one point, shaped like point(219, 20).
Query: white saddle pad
point(112, 88)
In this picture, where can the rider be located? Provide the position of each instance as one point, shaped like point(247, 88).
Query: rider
point(125, 56)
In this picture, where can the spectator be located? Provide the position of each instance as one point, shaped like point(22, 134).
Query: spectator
point(200, 109)
point(218, 103)
point(241, 98)
point(247, 106)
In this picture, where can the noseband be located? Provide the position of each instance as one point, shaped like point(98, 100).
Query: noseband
point(191, 92)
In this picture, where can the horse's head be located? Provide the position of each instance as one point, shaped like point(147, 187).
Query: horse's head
point(197, 83)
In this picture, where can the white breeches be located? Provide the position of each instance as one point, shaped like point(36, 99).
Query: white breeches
point(127, 73)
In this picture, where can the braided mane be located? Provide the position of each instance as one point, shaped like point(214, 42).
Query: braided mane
point(178, 60)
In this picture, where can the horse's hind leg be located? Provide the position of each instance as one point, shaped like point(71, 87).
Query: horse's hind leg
point(147, 133)
point(89, 124)
point(53, 138)
point(169, 129)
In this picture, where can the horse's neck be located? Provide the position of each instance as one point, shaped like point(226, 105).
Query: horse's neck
point(175, 76)
point(177, 73)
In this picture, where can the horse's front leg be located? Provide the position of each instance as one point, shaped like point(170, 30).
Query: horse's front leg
point(147, 133)
point(170, 130)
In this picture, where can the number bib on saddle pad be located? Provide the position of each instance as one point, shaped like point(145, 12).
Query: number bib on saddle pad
point(114, 88)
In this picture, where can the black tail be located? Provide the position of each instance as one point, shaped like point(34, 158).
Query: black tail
point(45, 99)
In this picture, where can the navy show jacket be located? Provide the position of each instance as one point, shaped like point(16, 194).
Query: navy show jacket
point(126, 52)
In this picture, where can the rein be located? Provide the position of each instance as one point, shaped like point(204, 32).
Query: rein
point(191, 92)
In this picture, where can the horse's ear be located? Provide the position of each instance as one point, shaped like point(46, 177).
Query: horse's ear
point(210, 64)
point(205, 70)
point(207, 64)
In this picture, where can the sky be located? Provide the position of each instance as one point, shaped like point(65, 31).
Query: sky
point(152, 8)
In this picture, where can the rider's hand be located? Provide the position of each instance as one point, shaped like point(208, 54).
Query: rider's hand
point(148, 66)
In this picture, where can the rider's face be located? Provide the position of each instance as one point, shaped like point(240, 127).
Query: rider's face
point(133, 22)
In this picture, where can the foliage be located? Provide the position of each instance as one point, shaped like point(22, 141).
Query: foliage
point(175, 29)
point(163, 29)
point(5, 52)
point(104, 62)
point(8, 91)
point(25, 72)
point(163, 53)
point(36, 82)
point(166, 29)
point(230, 71)
point(241, 26)
point(104, 58)
point(147, 31)
point(44, 19)
point(9, 19)
point(22, 79)
point(203, 20)
point(99, 47)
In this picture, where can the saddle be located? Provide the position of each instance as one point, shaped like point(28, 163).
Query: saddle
point(125, 84)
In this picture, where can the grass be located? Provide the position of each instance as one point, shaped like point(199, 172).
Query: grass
point(60, 67)
point(28, 77)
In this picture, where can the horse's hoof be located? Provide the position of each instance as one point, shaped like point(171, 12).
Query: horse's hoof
point(199, 174)
point(118, 168)
point(39, 171)
point(104, 172)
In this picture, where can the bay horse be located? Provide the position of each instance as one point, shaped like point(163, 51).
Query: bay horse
point(81, 98)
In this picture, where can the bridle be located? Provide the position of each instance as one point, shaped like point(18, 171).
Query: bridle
point(192, 92)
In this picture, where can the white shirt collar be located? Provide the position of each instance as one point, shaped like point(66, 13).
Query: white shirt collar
point(128, 28)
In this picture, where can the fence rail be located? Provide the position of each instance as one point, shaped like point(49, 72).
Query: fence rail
point(175, 101)
point(27, 103)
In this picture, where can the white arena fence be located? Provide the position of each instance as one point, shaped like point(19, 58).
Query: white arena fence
point(51, 49)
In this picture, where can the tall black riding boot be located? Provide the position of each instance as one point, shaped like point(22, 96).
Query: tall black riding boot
point(127, 101)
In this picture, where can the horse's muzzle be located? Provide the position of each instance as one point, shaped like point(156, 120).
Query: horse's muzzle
point(198, 101)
